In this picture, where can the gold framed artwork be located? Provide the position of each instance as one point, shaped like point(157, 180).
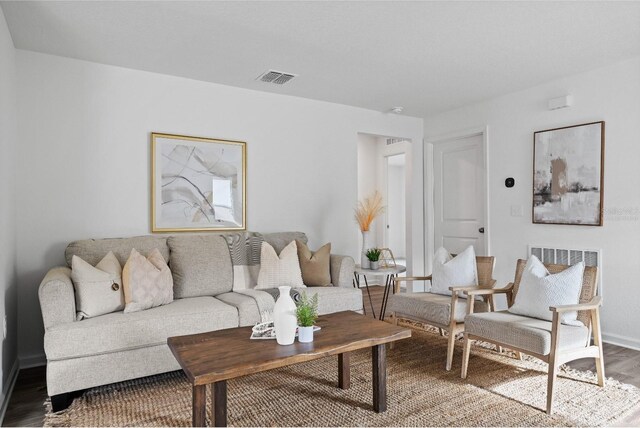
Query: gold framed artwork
point(568, 175)
point(197, 184)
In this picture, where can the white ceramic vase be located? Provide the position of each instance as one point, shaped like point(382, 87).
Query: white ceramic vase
point(285, 321)
point(374, 265)
point(364, 261)
point(305, 334)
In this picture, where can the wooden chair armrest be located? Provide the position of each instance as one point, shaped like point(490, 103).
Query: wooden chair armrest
point(412, 278)
point(595, 303)
point(457, 289)
point(489, 291)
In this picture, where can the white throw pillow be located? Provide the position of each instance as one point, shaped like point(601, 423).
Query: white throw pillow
point(539, 289)
point(459, 271)
point(279, 270)
point(99, 288)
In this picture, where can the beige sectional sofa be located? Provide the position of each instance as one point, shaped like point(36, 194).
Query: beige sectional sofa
point(121, 346)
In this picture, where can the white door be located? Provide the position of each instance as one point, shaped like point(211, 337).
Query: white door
point(459, 194)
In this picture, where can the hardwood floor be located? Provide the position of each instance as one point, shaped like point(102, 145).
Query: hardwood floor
point(26, 403)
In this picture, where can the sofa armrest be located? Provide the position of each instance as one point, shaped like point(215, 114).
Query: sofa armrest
point(57, 297)
point(342, 268)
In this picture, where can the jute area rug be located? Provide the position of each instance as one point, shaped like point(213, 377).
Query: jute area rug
point(499, 391)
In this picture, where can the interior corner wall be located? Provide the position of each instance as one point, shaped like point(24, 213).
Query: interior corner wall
point(611, 94)
point(8, 144)
point(84, 161)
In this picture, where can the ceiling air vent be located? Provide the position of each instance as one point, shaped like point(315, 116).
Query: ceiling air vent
point(276, 77)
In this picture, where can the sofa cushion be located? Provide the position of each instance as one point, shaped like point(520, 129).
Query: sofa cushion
point(335, 299)
point(147, 281)
point(98, 289)
point(93, 250)
point(201, 265)
point(248, 312)
point(280, 240)
point(315, 265)
point(528, 334)
point(431, 307)
point(121, 331)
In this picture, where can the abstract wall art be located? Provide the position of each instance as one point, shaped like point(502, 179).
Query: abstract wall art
point(197, 184)
point(568, 168)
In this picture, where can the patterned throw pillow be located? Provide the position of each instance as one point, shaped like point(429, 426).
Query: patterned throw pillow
point(279, 270)
point(98, 289)
point(539, 289)
point(459, 271)
point(245, 248)
point(315, 266)
point(147, 281)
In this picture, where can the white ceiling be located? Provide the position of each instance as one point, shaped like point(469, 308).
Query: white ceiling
point(425, 56)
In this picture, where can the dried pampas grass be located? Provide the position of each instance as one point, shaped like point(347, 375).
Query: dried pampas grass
point(368, 209)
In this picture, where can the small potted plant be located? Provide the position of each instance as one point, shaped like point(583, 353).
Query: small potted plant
point(307, 313)
point(373, 254)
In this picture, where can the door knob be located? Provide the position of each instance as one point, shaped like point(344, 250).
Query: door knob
point(481, 230)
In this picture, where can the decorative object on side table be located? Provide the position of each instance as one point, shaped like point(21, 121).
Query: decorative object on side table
point(284, 317)
point(307, 313)
point(197, 184)
point(373, 254)
point(386, 258)
point(568, 175)
point(367, 210)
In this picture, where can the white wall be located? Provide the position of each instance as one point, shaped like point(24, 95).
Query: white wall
point(8, 144)
point(84, 160)
point(611, 94)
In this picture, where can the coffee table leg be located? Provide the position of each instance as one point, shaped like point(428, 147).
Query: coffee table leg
point(199, 405)
point(344, 370)
point(379, 360)
point(219, 403)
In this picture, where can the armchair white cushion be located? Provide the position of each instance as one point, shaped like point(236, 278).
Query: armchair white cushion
point(458, 271)
point(539, 290)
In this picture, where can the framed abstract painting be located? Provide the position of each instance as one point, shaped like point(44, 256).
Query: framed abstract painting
point(197, 184)
point(568, 175)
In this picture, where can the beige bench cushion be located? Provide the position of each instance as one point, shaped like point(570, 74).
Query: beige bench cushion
point(528, 334)
point(335, 299)
point(93, 250)
point(201, 265)
point(121, 331)
point(430, 307)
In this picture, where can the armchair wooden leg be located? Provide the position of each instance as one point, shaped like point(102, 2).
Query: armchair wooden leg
point(441, 331)
point(518, 355)
point(466, 349)
point(597, 341)
point(553, 365)
point(553, 372)
point(451, 346)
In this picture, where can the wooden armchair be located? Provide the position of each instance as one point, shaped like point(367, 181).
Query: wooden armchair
point(550, 341)
point(444, 312)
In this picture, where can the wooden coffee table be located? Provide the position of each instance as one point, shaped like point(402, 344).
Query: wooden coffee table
point(213, 358)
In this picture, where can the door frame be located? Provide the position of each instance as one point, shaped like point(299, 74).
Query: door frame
point(429, 183)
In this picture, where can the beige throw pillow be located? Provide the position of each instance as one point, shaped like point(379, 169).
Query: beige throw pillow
point(277, 270)
point(315, 266)
point(147, 281)
point(98, 289)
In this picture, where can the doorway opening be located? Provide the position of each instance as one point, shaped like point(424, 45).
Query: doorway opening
point(384, 165)
point(395, 195)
